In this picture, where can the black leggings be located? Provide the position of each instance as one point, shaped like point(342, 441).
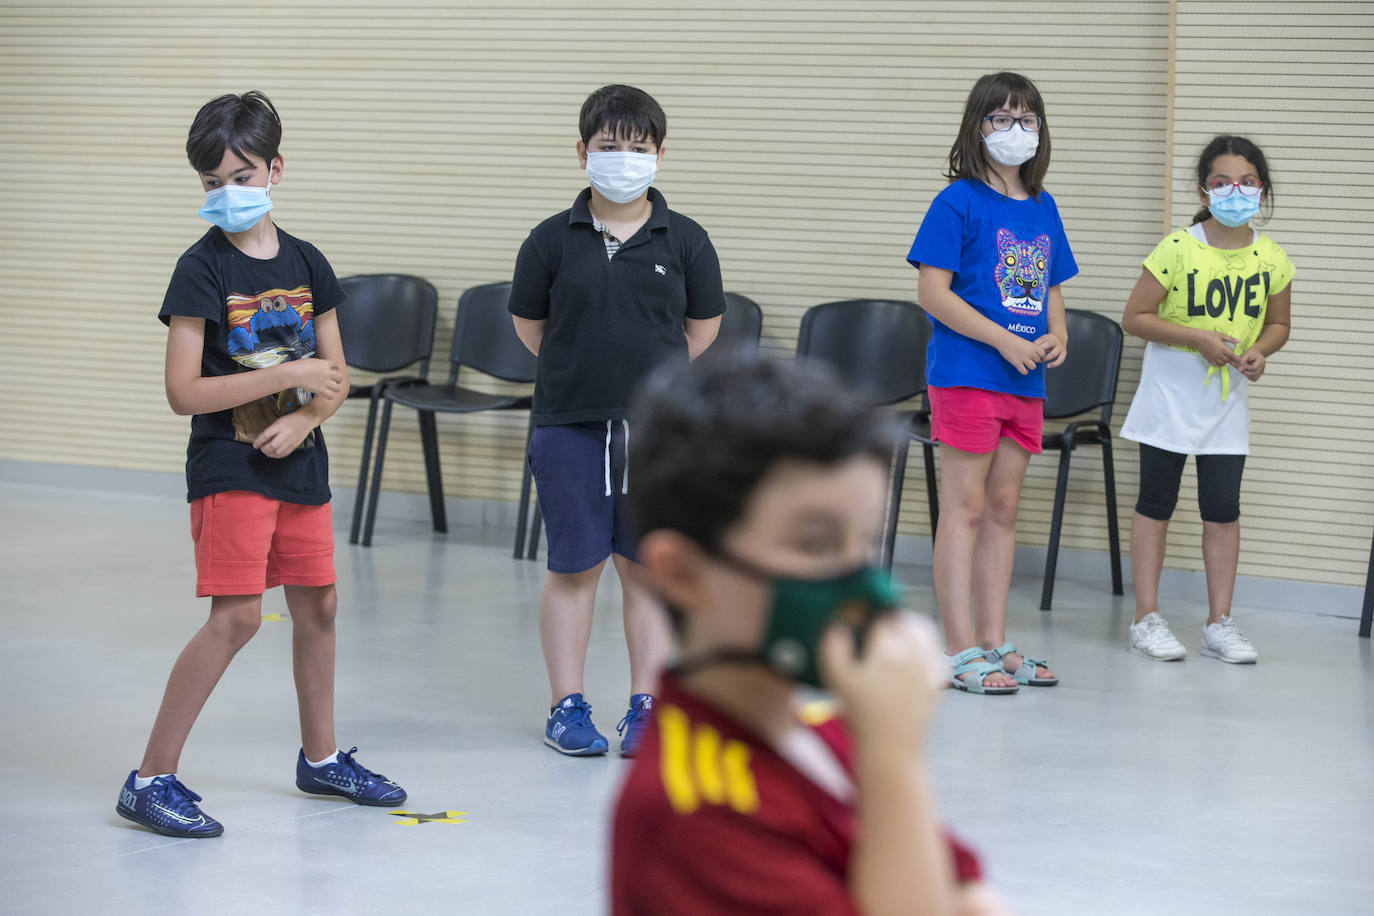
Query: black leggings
point(1218, 484)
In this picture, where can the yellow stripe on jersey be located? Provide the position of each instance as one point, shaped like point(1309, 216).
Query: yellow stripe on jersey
point(674, 765)
point(739, 779)
point(709, 777)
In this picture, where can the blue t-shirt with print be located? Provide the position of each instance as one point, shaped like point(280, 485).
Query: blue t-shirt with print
point(1005, 255)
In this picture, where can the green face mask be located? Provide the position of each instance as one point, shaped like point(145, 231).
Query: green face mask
point(800, 613)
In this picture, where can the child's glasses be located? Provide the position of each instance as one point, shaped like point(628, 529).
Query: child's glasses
point(1250, 187)
point(1029, 122)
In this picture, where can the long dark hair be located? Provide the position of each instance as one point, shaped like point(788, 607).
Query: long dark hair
point(967, 157)
point(1229, 145)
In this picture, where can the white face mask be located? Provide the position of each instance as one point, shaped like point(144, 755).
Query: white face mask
point(621, 177)
point(1012, 147)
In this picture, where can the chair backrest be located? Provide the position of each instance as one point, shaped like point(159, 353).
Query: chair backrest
point(484, 336)
point(742, 323)
point(1087, 378)
point(387, 321)
point(878, 346)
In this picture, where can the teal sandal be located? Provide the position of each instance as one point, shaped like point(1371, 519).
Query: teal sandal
point(1026, 673)
point(974, 660)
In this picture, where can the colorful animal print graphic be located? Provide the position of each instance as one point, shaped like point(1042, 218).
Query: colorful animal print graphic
point(1022, 272)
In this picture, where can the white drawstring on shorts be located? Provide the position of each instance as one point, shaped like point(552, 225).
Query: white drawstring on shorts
point(625, 475)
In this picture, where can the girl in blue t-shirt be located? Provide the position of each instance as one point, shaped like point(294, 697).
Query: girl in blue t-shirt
point(992, 254)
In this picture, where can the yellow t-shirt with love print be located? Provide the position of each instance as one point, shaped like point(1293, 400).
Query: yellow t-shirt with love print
point(1219, 289)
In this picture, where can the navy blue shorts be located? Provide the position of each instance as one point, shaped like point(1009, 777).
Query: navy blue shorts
point(581, 478)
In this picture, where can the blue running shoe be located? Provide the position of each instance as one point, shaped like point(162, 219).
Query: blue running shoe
point(350, 779)
point(167, 806)
point(631, 728)
point(570, 730)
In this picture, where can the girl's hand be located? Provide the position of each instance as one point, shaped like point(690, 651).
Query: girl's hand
point(1217, 348)
point(1055, 349)
point(285, 435)
point(1251, 364)
point(889, 690)
point(1023, 354)
point(319, 376)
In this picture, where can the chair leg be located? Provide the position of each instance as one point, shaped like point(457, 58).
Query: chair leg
point(376, 495)
point(361, 496)
point(1113, 532)
point(536, 526)
point(429, 444)
point(1367, 614)
point(1052, 554)
point(522, 514)
point(894, 503)
point(932, 487)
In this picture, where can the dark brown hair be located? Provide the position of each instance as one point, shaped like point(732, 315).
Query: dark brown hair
point(245, 123)
point(968, 155)
point(1230, 145)
point(625, 112)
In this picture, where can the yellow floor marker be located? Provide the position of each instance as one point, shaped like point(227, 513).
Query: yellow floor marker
point(415, 818)
point(274, 618)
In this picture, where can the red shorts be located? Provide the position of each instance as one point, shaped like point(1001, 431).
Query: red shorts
point(975, 420)
point(247, 543)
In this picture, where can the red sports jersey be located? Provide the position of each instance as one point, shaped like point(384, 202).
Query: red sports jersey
point(711, 820)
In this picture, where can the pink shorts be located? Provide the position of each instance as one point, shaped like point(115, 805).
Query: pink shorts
point(975, 420)
point(247, 543)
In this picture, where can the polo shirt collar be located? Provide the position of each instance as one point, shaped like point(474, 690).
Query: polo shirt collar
point(582, 211)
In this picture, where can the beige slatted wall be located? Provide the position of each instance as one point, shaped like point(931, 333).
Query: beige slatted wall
point(807, 136)
point(1298, 79)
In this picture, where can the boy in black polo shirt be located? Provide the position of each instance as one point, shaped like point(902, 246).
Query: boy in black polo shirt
point(603, 293)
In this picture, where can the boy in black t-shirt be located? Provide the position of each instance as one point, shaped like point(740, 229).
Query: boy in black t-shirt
point(253, 355)
point(604, 292)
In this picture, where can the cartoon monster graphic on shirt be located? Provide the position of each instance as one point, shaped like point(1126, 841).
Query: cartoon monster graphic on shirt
point(267, 329)
point(1022, 271)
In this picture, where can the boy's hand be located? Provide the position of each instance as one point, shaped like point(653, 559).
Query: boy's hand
point(890, 689)
point(319, 376)
point(1251, 364)
point(1217, 348)
point(1023, 354)
point(1054, 347)
point(285, 435)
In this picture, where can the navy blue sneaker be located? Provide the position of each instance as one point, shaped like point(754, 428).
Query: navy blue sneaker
point(350, 779)
point(570, 730)
point(167, 806)
point(631, 728)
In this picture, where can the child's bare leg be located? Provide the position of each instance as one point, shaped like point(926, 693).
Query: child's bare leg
point(312, 662)
point(963, 480)
point(233, 621)
point(1220, 556)
point(1148, 536)
point(647, 631)
point(995, 549)
point(565, 626)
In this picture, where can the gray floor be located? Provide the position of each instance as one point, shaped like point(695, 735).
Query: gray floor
point(1134, 787)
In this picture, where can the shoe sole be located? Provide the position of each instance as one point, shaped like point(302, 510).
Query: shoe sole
point(1157, 658)
point(591, 751)
point(202, 835)
point(371, 803)
point(1213, 653)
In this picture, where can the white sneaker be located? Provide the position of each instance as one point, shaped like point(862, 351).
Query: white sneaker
point(1152, 639)
point(1225, 641)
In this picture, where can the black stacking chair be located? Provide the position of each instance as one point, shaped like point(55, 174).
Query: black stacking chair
point(741, 325)
point(1367, 612)
point(484, 339)
point(878, 348)
point(387, 324)
point(1085, 382)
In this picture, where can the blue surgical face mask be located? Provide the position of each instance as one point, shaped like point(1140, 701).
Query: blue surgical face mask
point(236, 207)
point(621, 177)
point(1236, 208)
